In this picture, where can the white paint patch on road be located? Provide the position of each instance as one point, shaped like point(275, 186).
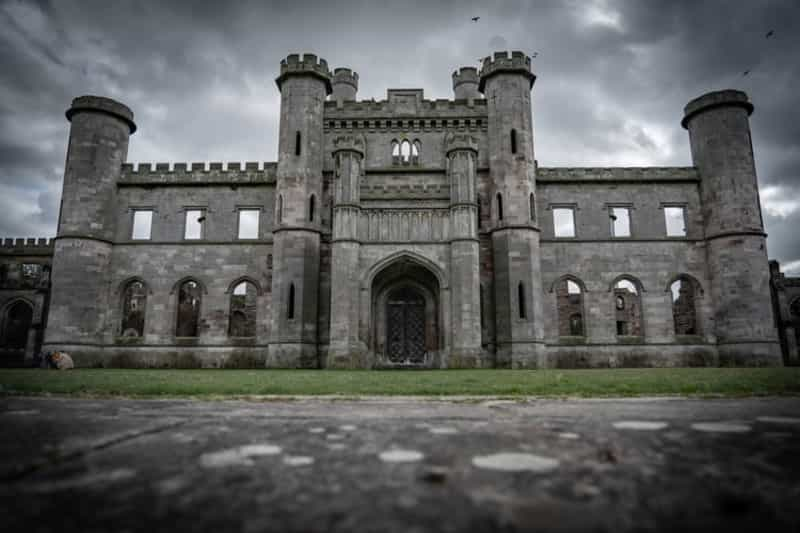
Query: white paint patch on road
point(316, 430)
point(789, 420)
point(400, 456)
point(240, 456)
point(569, 436)
point(640, 425)
point(298, 460)
point(334, 436)
point(515, 462)
point(347, 427)
point(443, 430)
point(721, 427)
point(172, 485)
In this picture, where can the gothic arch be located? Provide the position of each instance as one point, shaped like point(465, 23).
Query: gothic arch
point(569, 277)
point(184, 279)
point(413, 257)
point(698, 288)
point(237, 281)
point(627, 277)
point(127, 281)
point(4, 319)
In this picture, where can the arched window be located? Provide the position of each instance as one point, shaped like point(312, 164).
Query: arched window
point(280, 208)
point(532, 207)
point(569, 302)
point(134, 302)
point(290, 303)
point(521, 300)
point(480, 303)
point(405, 152)
point(311, 206)
point(684, 310)
point(18, 321)
point(297, 143)
point(395, 153)
point(628, 308)
point(513, 141)
point(242, 320)
point(415, 150)
point(189, 300)
point(499, 206)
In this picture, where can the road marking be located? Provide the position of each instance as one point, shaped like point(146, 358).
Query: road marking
point(298, 460)
point(779, 419)
point(640, 425)
point(400, 456)
point(515, 462)
point(721, 427)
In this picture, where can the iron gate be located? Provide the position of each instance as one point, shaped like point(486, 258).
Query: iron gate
point(405, 327)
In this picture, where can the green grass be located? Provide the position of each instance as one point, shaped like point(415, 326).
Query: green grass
point(238, 383)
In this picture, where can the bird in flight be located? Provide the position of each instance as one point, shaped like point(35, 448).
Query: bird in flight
point(745, 73)
point(533, 55)
point(475, 19)
point(770, 33)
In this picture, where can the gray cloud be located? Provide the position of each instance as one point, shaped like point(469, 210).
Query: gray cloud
point(613, 77)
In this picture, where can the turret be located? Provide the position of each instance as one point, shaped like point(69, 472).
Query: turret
point(345, 85)
point(465, 84)
point(304, 84)
point(98, 146)
point(719, 133)
point(506, 81)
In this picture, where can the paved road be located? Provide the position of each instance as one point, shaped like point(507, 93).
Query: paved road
point(399, 465)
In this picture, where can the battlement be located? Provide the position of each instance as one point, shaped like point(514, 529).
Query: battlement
point(502, 62)
point(460, 141)
point(27, 246)
point(465, 75)
point(353, 143)
point(345, 75)
point(565, 175)
point(198, 173)
point(309, 64)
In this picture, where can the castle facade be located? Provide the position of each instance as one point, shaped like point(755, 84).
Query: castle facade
point(404, 233)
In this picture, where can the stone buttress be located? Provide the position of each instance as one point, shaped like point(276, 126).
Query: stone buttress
point(506, 82)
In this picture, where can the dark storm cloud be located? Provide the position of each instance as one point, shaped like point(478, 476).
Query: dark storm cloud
point(613, 78)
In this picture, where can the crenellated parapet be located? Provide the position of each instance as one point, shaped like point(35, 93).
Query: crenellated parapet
point(460, 141)
point(307, 65)
point(27, 246)
point(251, 172)
point(502, 62)
point(350, 143)
point(346, 76)
point(465, 84)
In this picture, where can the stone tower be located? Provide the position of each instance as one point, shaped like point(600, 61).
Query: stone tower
point(345, 85)
point(506, 82)
point(79, 305)
point(465, 84)
point(304, 84)
point(722, 151)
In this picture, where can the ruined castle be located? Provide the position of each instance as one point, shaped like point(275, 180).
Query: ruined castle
point(401, 233)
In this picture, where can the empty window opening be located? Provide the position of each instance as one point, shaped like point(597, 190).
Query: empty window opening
point(290, 303)
point(415, 149)
point(569, 301)
point(480, 212)
point(532, 207)
point(513, 141)
point(405, 152)
point(311, 205)
point(564, 222)
point(395, 153)
point(297, 139)
point(189, 299)
point(628, 308)
point(620, 222)
point(521, 300)
point(243, 306)
point(499, 206)
point(193, 228)
point(684, 312)
point(675, 220)
point(248, 223)
point(142, 224)
point(134, 302)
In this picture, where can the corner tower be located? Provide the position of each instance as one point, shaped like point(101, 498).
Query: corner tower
point(79, 305)
point(304, 84)
point(506, 82)
point(722, 151)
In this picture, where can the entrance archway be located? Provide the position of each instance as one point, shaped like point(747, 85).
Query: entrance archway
point(405, 315)
point(16, 327)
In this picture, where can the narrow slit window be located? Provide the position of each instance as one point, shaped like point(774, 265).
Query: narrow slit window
point(280, 208)
point(248, 223)
point(521, 300)
point(290, 303)
point(297, 140)
point(620, 222)
point(311, 206)
point(564, 222)
point(532, 206)
point(499, 206)
point(142, 225)
point(513, 141)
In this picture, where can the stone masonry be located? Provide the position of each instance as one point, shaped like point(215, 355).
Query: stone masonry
point(401, 233)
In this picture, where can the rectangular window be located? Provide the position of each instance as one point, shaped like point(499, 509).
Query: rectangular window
point(193, 228)
point(31, 270)
point(142, 224)
point(564, 221)
point(620, 222)
point(675, 218)
point(248, 223)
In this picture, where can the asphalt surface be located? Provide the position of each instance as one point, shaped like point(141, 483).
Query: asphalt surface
point(366, 465)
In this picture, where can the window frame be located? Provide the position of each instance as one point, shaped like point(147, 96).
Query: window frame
point(675, 205)
point(203, 214)
point(574, 209)
point(142, 209)
point(239, 210)
point(627, 207)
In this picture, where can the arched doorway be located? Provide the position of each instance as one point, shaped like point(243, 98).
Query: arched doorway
point(405, 319)
point(16, 326)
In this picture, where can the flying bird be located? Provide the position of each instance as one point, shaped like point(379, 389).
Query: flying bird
point(770, 33)
point(745, 73)
point(533, 55)
point(475, 19)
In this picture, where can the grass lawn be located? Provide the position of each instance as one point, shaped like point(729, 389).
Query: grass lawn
point(233, 383)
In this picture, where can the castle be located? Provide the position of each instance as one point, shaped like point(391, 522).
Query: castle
point(400, 233)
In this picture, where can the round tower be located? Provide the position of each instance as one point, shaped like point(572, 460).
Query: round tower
point(465, 84)
point(722, 151)
point(304, 84)
point(98, 146)
point(506, 82)
point(345, 85)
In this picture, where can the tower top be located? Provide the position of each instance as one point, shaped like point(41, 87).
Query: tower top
point(725, 98)
point(308, 65)
point(501, 62)
point(465, 75)
point(101, 104)
point(345, 75)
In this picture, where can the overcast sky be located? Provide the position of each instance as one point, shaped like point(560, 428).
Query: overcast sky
point(613, 78)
